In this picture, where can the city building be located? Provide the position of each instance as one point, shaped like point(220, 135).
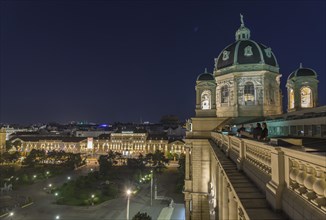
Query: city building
point(2, 140)
point(228, 177)
point(130, 143)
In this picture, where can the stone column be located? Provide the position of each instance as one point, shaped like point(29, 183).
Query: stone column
point(220, 194)
point(225, 202)
point(241, 155)
point(187, 209)
point(233, 206)
point(275, 186)
point(187, 168)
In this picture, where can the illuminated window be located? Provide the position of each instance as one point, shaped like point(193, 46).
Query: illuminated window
point(291, 101)
point(249, 92)
point(206, 100)
point(224, 94)
point(306, 97)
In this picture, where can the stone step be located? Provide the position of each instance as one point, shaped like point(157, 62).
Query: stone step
point(262, 214)
point(254, 203)
point(251, 195)
point(245, 184)
point(246, 189)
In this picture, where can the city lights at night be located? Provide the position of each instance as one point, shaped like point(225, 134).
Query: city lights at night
point(171, 110)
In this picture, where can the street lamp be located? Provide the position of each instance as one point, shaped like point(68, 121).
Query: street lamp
point(50, 185)
point(11, 214)
point(68, 177)
point(128, 201)
point(57, 217)
point(93, 199)
point(56, 194)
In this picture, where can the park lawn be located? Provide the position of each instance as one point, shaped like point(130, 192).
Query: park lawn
point(79, 192)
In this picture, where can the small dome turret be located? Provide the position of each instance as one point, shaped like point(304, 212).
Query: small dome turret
point(302, 71)
point(205, 76)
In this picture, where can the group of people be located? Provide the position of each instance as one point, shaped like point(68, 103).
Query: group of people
point(260, 132)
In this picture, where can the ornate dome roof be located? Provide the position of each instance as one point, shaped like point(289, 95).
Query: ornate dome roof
point(245, 51)
point(205, 76)
point(301, 71)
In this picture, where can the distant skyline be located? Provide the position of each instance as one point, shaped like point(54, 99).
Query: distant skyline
point(107, 61)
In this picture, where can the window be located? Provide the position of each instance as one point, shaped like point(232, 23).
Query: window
point(291, 99)
point(249, 92)
point(224, 94)
point(306, 97)
point(206, 100)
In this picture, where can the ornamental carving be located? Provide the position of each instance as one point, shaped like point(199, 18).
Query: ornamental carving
point(226, 55)
point(268, 52)
point(248, 51)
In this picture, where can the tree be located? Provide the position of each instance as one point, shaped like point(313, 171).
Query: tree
point(8, 145)
point(157, 160)
point(104, 164)
point(142, 216)
point(181, 174)
point(35, 157)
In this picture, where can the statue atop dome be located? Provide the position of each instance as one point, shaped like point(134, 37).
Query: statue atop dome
point(241, 19)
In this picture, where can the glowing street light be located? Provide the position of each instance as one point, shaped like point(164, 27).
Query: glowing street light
point(57, 217)
point(50, 185)
point(11, 214)
point(68, 177)
point(34, 176)
point(128, 201)
point(56, 194)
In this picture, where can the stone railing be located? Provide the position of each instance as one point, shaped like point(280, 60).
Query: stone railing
point(305, 175)
point(300, 172)
point(228, 202)
point(258, 154)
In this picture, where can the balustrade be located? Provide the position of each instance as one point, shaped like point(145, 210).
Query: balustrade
point(305, 174)
point(307, 177)
point(258, 155)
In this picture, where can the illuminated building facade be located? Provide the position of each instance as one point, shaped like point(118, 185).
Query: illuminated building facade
point(228, 177)
point(2, 140)
point(129, 143)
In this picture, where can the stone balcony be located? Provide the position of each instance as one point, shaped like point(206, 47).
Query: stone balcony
point(288, 180)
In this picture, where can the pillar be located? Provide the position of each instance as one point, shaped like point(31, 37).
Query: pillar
point(233, 206)
point(225, 202)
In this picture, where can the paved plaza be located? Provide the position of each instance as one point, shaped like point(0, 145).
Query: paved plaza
point(43, 206)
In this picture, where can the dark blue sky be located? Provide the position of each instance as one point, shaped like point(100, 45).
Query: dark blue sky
point(106, 61)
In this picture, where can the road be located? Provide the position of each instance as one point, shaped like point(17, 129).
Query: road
point(44, 208)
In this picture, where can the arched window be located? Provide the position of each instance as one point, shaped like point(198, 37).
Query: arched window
point(306, 97)
point(225, 94)
point(249, 93)
point(206, 100)
point(291, 99)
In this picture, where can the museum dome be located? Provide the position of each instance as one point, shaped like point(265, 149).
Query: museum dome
point(245, 51)
point(302, 71)
point(205, 76)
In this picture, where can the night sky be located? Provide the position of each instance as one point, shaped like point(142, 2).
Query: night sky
point(107, 61)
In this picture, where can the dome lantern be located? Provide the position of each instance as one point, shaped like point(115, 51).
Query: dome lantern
point(242, 33)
